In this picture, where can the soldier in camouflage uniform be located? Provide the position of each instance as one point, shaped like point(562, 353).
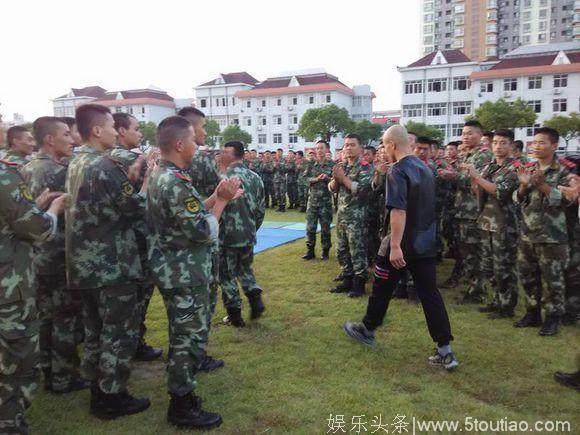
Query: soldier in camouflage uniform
point(302, 166)
point(102, 260)
point(20, 145)
point(543, 251)
point(21, 224)
point(268, 169)
point(496, 185)
point(58, 307)
point(255, 164)
point(239, 223)
point(280, 180)
point(184, 229)
point(351, 179)
point(292, 180)
point(374, 222)
point(318, 174)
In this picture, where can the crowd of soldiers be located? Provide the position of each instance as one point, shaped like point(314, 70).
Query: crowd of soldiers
point(90, 225)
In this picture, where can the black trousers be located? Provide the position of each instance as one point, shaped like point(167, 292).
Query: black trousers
point(424, 275)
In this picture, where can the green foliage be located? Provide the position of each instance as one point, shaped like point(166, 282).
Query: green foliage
point(567, 126)
point(149, 130)
point(234, 132)
point(367, 131)
point(503, 114)
point(212, 128)
point(421, 129)
point(324, 123)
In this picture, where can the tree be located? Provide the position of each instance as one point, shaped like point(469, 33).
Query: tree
point(567, 126)
point(212, 128)
point(149, 130)
point(234, 132)
point(421, 129)
point(324, 123)
point(367, 130)
point(502, 114)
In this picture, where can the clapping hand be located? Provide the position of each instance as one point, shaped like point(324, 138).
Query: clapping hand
point(524, 177)
point(228, 188)
point(46, 198)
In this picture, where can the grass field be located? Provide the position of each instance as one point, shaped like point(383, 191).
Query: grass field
point(290, 370)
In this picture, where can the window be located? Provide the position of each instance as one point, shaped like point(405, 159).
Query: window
point(293, 119)
point(412, 111)
point(143, 109)
point(541, 37)
point(311, 99)
point(262, 138)
point(414, 87)
point(491, 51)
point(248, 104)
point(560, 80)
point(249, 122)
point(279, 102)
point(263, 119)
point(437, 85)
point(294, 101)
point(531, 130)
point(535, 82)
point(428, 18)
point(486, 86)
point(277, 138)
point(277, 120)
point(560, 105)
point(461, 83)
point(456, 130)
point(527, 16)
point(224, 102)
point(217, 102)
point(292, 138)
point(510, 84)
point(328, 99)
point(462, 107)
point(527, 28)
point(233, 101)
point(203, 103)
point(436, 109)
point(542, 26)
point(263, 103)
point(536, 105)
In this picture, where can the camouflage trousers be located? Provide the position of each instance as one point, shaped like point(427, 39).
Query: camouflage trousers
point(59, 310)
point(352, 247)
point(470, 252)
point(19, 357)
point(292, 194)
point(280, 192)
point(449, 230)
point(269, 196)
point(111, 335)
point(498, 263)
point(573, 278)
point(144, 293)
point(302, 194)
point(316, 213)
point(187, 309)
point(236, 266)
point(542, 264)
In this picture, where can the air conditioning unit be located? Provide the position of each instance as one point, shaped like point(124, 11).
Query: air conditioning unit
point(259, 109)
point(290, 127)
point(557, 91)
point(290, 108)
point(507, 94)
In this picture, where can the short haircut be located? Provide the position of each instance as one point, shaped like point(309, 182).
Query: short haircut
point(44, 126)
point(371, 148)
point(489, 134)
point(267, 152)
point(170, 130)
point(452, 144)
point(14, 133)
point(354, 136)
point(88, 116)
point(424, 140)
point(238, 148)
point(326, 144)
point(474, 123)
point(291, 152)
point(69, 120)
point(122, 120)
point(413, 133)
point(518, 144)
point(550, 132)
point(300, 153)
point(279, 149)
point(191, 113)
point(504, 132)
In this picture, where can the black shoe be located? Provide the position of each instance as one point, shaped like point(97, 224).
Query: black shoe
point(109, 406)
point(209, 364)
point(358, 288)
point(360, 333)
point(550, 326)
point(344, 287)
point(502, 313)
point(309, 254)
point(339, 277)
point(489, 308)
point(468, 298)
point(234, 317)
point(302, 209)
point(77, 384)
point(147, 353)
point(325, 253)
point(185, 411)
point(571, 380)
point(256, 305)
point(400, 292)
point(452, 282)
point(532, 319)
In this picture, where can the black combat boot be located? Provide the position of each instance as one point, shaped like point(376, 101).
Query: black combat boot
point(282, 208)
point(358, 287)
point(532, 319)
point(309, 253)
point(571, 380)
point(110, 406)
point(234, 317)
point(325, 252)
point(76, 384)
point(550, 325)
point(489, 308)
point(209, 364)
point(147, 353)
point(344, 287)
point(303, 209)
point(339, 277)
point(256, 304)
point(185, 411)
point(502, 313)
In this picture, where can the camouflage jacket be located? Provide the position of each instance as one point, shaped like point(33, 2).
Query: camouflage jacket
point(280, 171)
point(182, 231)
point(291, 173)
point(243, 217)
point(544, 217)
point(40, 173)
point(447, 189)
point(101, 247)
point(498, 212)
point(21, 224)
point(318, 193)
point(12, 156)
point(204, 173)
point(466, 205)
point(353, 205)
point(268, 172)
point(256, 166)
point(302, 170)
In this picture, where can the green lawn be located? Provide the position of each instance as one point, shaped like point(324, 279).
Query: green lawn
point(290, 370)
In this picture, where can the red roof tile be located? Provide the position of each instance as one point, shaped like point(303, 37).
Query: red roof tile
point(237, 77)
point(137, 93)
point(303, 80)
point(89, 91)
point(451, 56)
point(322, 87)
point(522, 62)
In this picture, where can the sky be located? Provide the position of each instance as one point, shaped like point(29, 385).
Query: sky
point(48, 47)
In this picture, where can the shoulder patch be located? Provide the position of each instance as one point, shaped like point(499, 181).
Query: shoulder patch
point(25, 191)
point(192, 204)
point(182, 176)
point(127, 188)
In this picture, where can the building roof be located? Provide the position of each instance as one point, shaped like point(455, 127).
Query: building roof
point(297, 84)
point(450, 56)
point(231, 78)
point(137, 101)
point(527, 50)
point(89, 91)
point(137, 93)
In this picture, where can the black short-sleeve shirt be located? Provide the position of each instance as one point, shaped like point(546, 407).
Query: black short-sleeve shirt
point(410, 186)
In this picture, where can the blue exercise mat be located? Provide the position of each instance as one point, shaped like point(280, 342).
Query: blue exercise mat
point(273, 234)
